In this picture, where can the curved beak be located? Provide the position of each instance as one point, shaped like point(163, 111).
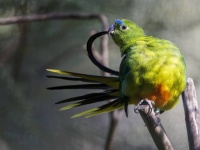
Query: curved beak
point(111, 29)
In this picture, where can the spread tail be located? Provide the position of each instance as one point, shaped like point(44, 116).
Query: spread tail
point(109, 85)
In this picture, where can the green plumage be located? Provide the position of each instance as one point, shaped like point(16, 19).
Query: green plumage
point(151, 68)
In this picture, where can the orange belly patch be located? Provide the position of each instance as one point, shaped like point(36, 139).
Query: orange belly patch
point(159, 95)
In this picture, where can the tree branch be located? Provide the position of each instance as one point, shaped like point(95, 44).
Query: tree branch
point(155, 127)
point(192, 115)
point(54, 16)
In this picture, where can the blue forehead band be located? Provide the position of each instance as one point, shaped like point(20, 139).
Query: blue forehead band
point(118, 21)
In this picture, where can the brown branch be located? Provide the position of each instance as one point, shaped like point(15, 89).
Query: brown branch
point(53, 16)
point(155, 127)
point(192, 115)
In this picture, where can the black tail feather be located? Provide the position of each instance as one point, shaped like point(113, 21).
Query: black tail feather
point(71, 78)
point(80, 86)
point(115, 102)
point(87, 96)
point(94, 100)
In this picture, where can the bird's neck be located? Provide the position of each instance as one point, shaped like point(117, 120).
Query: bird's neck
point(128, 44)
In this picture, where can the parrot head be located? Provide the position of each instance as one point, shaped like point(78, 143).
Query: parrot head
point(122, 31)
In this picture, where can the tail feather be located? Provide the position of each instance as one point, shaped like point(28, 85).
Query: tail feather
point(110, 85)
point(71, 78)
point(111, 106)
point(87, 101)
point(80, 86)
point(112, 93)
point(110, 81)
point(86, 96)
point(98, 97)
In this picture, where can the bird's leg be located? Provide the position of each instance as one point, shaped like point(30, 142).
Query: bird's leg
point(158, 111)
point(146, 102)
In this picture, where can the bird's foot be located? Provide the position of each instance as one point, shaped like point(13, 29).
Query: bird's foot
point(146, 102)
point(142, 105)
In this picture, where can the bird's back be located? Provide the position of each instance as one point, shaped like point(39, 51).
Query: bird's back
point(152, 68)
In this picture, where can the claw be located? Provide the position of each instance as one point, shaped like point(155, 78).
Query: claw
point(146, 102)
point(137, 106)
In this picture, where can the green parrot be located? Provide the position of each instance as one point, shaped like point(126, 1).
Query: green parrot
point(151, 68)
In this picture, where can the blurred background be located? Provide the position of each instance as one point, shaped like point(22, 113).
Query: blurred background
point(28, 117)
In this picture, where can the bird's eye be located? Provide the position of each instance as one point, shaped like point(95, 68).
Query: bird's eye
point(124, 27)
